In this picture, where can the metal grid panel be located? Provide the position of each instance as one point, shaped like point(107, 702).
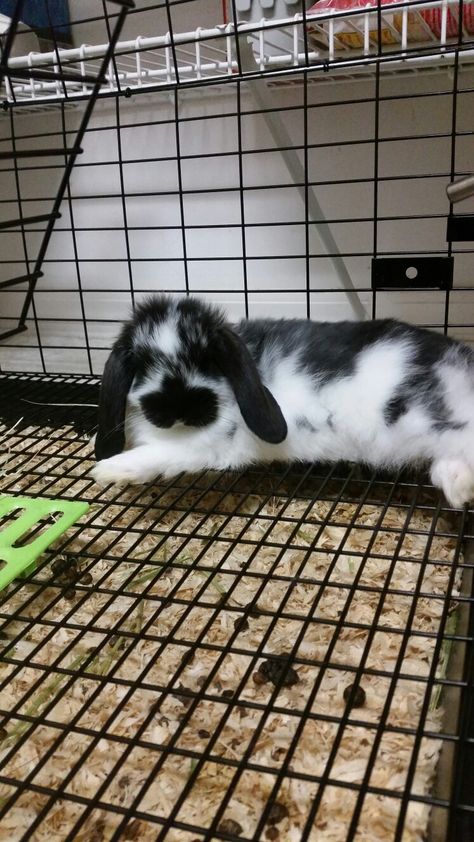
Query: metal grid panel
point(265, 199)
point(243, 235)
point(280, 45)
point(180, 560)
point(297, 240)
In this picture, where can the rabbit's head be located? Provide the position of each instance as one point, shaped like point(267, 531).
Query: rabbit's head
point(176, 361)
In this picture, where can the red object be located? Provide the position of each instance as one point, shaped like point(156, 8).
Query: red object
point(353, 36)
point(432, 17)
point(339, 5)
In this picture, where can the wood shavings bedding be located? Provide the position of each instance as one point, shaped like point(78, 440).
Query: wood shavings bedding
point(190, 570)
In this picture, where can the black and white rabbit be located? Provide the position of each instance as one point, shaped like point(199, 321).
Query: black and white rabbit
point(183, 390)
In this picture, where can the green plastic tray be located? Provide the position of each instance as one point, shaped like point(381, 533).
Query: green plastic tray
point(19, 561)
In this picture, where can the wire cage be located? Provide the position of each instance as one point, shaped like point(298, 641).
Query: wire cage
point(282, 653)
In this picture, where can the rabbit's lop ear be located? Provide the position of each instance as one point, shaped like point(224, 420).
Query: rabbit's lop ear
point(259, 408)
point(116, 382)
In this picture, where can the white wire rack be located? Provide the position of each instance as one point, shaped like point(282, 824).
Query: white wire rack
point(279, 46)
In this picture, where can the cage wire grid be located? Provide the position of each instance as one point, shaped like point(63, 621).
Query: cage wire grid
point(238, 501)
point(244, 293)
point(281, 44)
point(148, 669)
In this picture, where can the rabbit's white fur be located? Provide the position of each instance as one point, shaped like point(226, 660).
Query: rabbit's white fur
point(340, 419)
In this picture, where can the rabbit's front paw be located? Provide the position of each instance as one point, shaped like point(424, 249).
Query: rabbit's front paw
point(123, 468)
point(456, 478)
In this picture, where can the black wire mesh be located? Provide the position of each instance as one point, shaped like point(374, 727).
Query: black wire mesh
point(390, 203)
point(70, 155)
point(214, 601)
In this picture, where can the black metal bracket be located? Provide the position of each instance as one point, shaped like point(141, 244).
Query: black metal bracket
point(31, 277)
point(392, 273)
point(460, 228)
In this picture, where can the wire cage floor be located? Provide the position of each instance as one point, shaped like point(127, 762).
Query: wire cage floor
point(282, 653)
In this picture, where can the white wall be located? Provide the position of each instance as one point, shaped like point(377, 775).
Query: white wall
point(275, 253)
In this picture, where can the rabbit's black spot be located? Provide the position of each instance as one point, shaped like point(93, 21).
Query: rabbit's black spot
point(193, 406)
point(394, 409)
point(324, 350)
point(150, 313)
point(423, 389)
point(303, 424)
point(444, 426)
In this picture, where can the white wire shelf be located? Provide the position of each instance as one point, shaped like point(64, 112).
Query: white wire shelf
point(280, 48)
